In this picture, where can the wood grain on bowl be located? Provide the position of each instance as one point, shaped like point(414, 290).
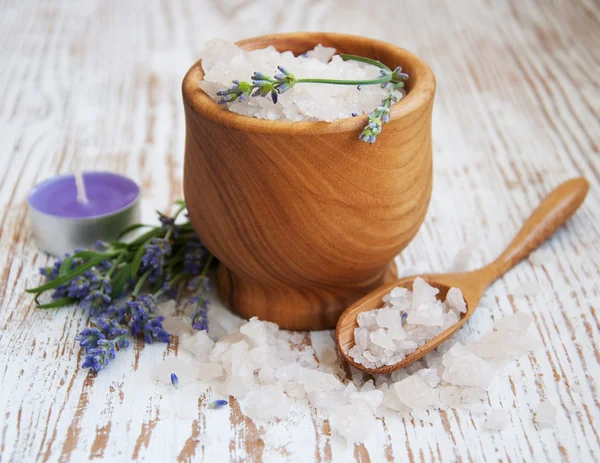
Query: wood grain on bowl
point(304, 217)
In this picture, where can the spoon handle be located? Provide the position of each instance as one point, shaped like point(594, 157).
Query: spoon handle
point(549, 216)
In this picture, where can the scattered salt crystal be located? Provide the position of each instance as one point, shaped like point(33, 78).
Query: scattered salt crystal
point(209, 371)
point(462, 260)
point(266, 403)
point(328, 356)
point(255, 331)
point(463, 368)
point(297, 338)
point(497, 420)
point(177, 325)
point(261, 367)
point(415, 393)
point(545, 414)
point(511, 338)
point(393, 402)
point(354, 422)
point(293, 389)
point(198, 344)
point(316, 381)
point(541, 257)
point(530, 288)
point(429, 376)
point(372, 399)
point(167, 308)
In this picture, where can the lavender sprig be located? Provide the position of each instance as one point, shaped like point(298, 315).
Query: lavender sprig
point(263, 85)
point(121, 283)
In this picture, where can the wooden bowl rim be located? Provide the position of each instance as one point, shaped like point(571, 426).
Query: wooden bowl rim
point(419, 96)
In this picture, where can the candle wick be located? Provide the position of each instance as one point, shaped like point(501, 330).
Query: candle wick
point(80, 185)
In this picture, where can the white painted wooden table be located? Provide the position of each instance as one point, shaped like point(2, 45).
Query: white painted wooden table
point(95, 84)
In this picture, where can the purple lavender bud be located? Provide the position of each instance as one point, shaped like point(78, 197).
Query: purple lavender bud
point(174, 380)
point(216, 404)
point(274, 96)
point(404, 317)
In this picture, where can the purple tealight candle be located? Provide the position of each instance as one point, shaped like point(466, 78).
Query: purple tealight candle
point(62, 221)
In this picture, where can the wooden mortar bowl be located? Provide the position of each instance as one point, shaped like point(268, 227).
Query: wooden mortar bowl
point(304, 217)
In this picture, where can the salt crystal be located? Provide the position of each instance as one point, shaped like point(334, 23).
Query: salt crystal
point(388, 318)
point(381, 339)
point(266, 375)
point(372, 398)
point(530, 288)
point(463, 368)
point(266, 403)
point(415, 393)
point(423, 293)
point(456, 300)
point(545, 414)
point(198, 344)
point(209, 371)
point(288, 372)
point(399, 375)
point(497, 420)
point(316, 381)
point(297, 338)
point(321, 53)
point(354, 422)
point(293, 389)
point(167, 308)
point(430, 376)
point(541, 257)
point(461, 260)
point(177, 325)
point(255, 331)
point(393, 402)
point(328, 356)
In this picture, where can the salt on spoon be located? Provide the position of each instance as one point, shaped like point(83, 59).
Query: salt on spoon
point(550, 215)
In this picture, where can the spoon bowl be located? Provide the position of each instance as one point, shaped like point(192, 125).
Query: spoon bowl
point(550, 215)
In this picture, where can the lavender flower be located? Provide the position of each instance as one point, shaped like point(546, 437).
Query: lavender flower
point(193, 259)
point(380, 116)
point(78, 288)
point(398, 76)
point(161, 275)
point(89, 337)
point(140, 309)
point(156, 252)
point(154, 331)
point(168, 223)
point(200, 316)
point(174, 380)
point(216, 404)
point(98, 357)
point(96, 302)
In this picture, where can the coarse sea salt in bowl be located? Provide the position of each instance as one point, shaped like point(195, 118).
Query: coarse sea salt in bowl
point(304, 217)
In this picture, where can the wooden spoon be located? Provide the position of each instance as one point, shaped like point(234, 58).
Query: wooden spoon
point(553, 212)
